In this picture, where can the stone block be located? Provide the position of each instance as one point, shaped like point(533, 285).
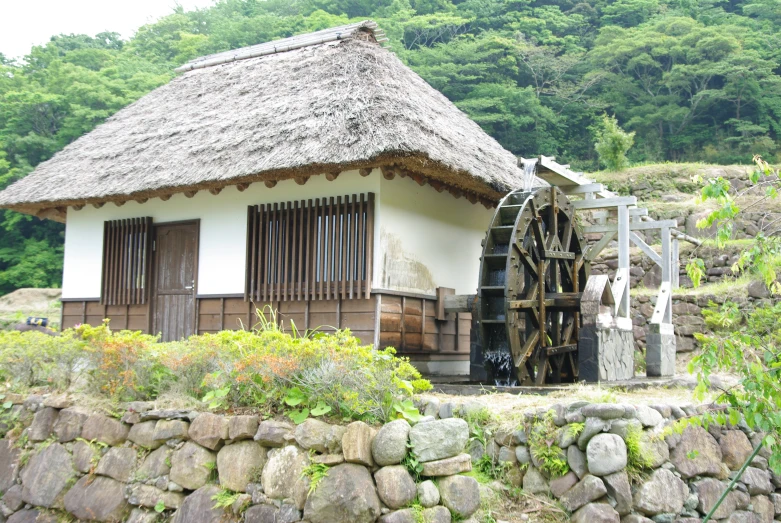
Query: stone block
point(660, 350)
point(605, 354)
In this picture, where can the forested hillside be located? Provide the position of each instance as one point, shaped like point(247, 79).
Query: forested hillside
point(696, 80)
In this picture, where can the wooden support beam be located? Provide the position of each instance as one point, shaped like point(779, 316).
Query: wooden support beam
point(458, 302)
point(488, 204)
point(604, 203)
point(622, 300)
point(365, 171)
point(675, 258)
point(142, 200)
point(242, 186)
point(119, 204)
point(419, 178)
point(301, 180)
point(331, 176)
point(598, 247)
point(581, 189)
point(78, 207)
point(165, 197)
point(190, 194)
point(387, 172)
point(633, 226)
point(471, 197)
point(215, 190)
point(456, 193)
point(270, 183)
point(637, 240)
point(98, 205)
point(437, 186)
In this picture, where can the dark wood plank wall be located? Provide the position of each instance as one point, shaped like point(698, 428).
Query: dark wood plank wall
point(407, 323)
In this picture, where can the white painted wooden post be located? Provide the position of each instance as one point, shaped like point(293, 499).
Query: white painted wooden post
point(623, 257)
point(666, 273)
point(676, 264)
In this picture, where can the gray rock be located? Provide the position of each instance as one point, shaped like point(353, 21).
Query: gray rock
point(166, 429)
point(138, 515)
point(595, 513)
point(446, 410)
point(333, 441)
point(757, 289)
point(757, 481)
point(448, 466)
point(9, 464)
point(428, 494)
point(460, 494)
point(240, 463)
point(313, 434)
point(69, 425)
point(328, 459)
point(192, 466)
point(406, 515)
point(149, 496)
point(274, 433)
point(775, 498)
point(534, 482)
point(697, 454)
point(589, 489)
point(577, 461)
point(476, 450)
point(143, 435)
point(636, 518)
point(605, 411)
point(664, 492)
point(735, 448)
point(156, 464)
point(439, 439)
point(242, 427)
point(84, 456)
point(741, 516)
point(104, 429)
point(619, 491)
point(12, 498)
point(522, 455)
point(621, 427)
point(117, 463)
point(389, 446)
point(567, 437)
point(282, 475)
point(395, 486)
point(648, 417)
point(97, 499)
point(592, 427)
point(288, 514)
point(209, 430)
point(431, 407)
point(346, 494)
point(261, 514)
point(437, 515)
point(26, 516)
point(507, 456)
point(606, 454)
point(655, 449)
point(520, 437)
point(42, 425)
point(198, 507)
point(560, 485)
point(763, 508)
point(357, 443)
point(46, 475)
point(708, 491)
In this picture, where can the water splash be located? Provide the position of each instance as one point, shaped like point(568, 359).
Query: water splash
point(529, 168)
point(503, 369)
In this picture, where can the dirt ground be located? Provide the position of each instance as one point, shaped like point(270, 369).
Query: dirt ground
point(18, 305)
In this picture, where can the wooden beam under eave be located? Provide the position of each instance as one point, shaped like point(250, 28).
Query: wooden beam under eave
point(119, 204)
point(333, 175)
point(142, 200)
point(301, 180)
point(98, 205)
point(78, 207)
point(215, 190)
point(471, 197)
point(437, 186)
point(365, 172)
point(455, 192)
point(388, 172)
point(270, 183)
point(165, 197)
point(190, 194)
point(419, 178)
point(242, 186)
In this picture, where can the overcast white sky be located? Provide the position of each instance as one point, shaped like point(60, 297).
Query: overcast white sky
point(24, 23)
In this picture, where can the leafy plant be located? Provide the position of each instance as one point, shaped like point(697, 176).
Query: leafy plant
point(637, 457)
point(412, 464)
point(307, 406)
point(160, 506)
point(543, 448)
point(315, 472)
point(575, 429)
point(612, 143)
point(216, 398)
point(407, 410)
point(225, 498)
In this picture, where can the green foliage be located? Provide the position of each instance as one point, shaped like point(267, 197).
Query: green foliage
point(612, 143)
point(412, 464)
point(637, 457)
point(159, 506)
point(487, 469)
point(315, 375)
point(223, 499)
point(695, 269)
point(542, 446)
point(574, 429)
point(315, 472)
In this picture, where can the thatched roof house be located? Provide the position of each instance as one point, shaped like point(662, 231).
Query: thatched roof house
point(288, 109)
point(376, 193)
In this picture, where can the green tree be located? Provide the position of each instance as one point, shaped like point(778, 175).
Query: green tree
point(612, 143)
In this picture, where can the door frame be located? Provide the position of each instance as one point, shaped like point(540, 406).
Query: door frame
point(153, 289)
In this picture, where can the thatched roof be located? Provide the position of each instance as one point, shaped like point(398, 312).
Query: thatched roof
point(314, 108)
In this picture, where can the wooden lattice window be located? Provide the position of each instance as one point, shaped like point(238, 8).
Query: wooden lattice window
point(127, 253)
point(310, 249)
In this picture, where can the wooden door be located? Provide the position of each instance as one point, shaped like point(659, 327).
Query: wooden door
point(175, 271)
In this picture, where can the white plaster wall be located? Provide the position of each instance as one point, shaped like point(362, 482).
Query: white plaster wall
point(222, 247)
point(428, 239)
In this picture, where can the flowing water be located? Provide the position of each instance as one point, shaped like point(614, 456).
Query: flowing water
point(529, 168)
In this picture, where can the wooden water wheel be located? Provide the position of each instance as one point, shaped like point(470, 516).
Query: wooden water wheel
point(532, 275)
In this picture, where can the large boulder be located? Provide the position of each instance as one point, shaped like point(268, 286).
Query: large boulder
point(619, 490)
point(199, 507)
point(239, 463)
point(143, 435)
point(209, 430)
point(655, 449)
point(282, 474)
point(460, 494)
point(708, 491)
point(346, 494)
point(395, 486)
point(735, 448)
point(449, 466)
point(389, 445)
point(428, 494)
point(696, 454)
point(9, 464)
point(606, 454)
point(439, 439)
point(534, 482)
point(589, 489)
point(69, 425)
point(313, 434)
point(595, 513)
point(192, 466)
point(104, 429)
point(46, 475)
point(97, 499)
point(757, 481)
point(84, 456)
point(149, 496)
point(664, 492)
point(117, 463)
point(242, 427)
point(42, 425)
point(166, 429)
point(156, 464)
point(261, 514)
point(357, 443)
point(273, 433)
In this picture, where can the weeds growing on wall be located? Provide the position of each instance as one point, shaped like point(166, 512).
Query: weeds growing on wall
point(302, 375)
point(543, 449)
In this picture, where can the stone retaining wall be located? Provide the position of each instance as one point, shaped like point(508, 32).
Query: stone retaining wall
point(172, 465)
point(686, 473)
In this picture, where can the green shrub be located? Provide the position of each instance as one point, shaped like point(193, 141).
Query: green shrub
point(612, 143)
point(32, 359)
point(543, 448)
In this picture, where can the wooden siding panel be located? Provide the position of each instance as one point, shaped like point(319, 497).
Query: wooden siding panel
point(127, 247)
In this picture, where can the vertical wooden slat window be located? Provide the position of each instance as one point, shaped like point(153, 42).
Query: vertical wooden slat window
point(317, 249)
point(127, 248)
